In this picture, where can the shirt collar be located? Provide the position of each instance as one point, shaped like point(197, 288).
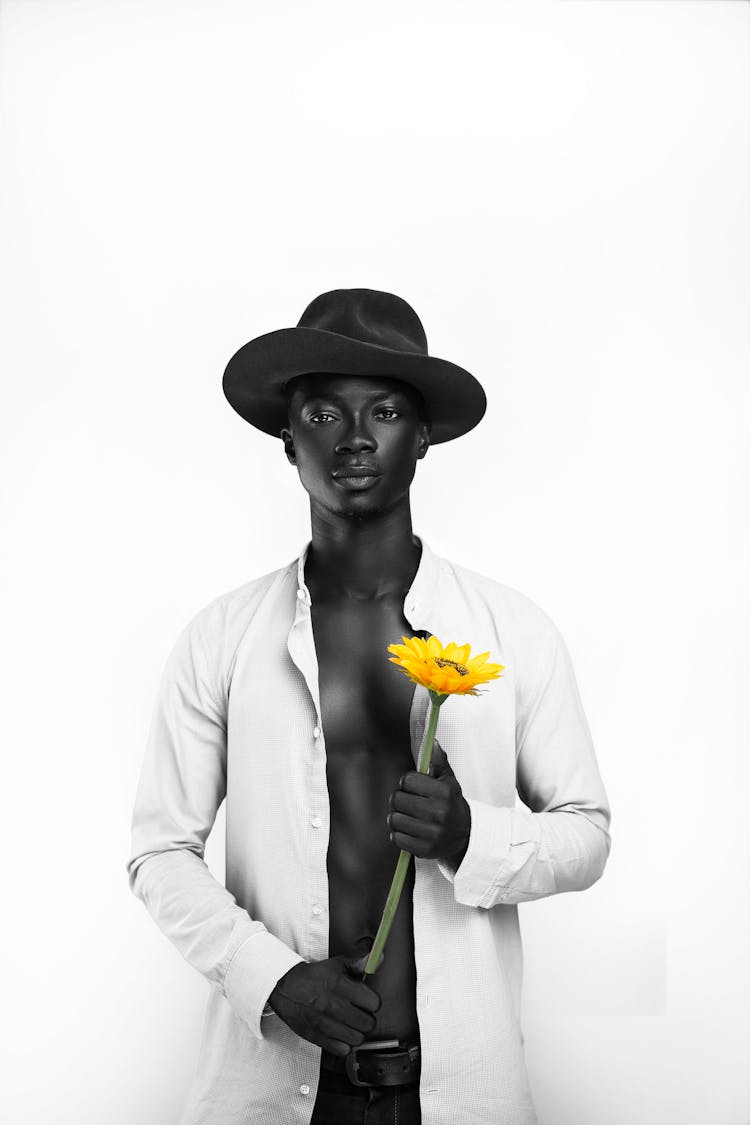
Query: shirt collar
point(421, 598)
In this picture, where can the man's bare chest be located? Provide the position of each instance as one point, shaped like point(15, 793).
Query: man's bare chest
point(363, 695)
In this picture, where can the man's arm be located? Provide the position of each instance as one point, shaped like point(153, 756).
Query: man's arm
point(181, 786)
point(562, 844)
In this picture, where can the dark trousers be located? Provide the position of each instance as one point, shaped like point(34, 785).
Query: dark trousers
point(340, 1103)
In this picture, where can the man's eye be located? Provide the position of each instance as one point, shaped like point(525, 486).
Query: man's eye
point(320, 414)
point(389, 410)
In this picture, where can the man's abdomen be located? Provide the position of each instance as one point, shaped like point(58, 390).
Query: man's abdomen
point(361, 864)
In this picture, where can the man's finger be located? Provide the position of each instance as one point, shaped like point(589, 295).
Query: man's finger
point(423, 783)
point(439, 764)
point(413, 805)
point(411, 844)
point(365, 998)
point(410, 826)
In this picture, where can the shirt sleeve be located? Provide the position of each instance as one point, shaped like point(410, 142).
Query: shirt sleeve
point(561, 841)
point(181, 787)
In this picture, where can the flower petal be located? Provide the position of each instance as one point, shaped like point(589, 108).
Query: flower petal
point(417, 646)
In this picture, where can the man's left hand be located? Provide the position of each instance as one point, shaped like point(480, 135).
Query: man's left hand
point(430, 817)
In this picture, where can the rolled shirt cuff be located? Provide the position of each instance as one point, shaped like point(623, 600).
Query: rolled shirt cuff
point(255, 969)
point(489, 863)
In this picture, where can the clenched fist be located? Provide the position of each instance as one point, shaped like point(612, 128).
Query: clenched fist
point(327, 1003)
point(431, 817)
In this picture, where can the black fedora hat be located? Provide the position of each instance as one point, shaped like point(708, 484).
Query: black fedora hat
point(352, 332)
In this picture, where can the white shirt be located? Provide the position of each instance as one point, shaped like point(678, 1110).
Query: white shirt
point(238, 716)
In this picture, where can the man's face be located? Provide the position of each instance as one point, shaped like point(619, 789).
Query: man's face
point(355, 441)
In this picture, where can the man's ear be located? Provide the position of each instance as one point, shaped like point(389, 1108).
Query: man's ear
point(424, 439)
point(288, 440)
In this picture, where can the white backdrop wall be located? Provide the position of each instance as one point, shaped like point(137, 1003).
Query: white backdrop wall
point(560, 190)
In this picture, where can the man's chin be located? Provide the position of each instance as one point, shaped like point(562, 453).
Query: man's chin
point(359, 508)
point(362, 512)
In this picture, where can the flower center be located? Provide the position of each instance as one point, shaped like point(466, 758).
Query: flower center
point(460, 668)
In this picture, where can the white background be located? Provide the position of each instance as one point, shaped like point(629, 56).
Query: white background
point(560, 190)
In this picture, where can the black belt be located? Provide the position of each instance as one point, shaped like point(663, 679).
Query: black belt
point(380, 1062)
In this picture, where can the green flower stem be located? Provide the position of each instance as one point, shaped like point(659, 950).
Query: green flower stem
point(397, 884)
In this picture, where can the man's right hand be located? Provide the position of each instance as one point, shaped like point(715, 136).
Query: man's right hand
point(327, 1003)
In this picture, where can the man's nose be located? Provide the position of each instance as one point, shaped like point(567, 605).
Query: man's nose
point(356, 437)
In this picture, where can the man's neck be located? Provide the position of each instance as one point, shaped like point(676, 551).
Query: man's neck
point(361, 559)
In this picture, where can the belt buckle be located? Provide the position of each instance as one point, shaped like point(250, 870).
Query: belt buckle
point(352, 1063)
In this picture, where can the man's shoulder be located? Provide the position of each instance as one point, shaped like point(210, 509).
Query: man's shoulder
point(221, 622)
point(527, 637)
point(511, 607)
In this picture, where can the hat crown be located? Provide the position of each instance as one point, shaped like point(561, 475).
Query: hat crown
point(368, 315)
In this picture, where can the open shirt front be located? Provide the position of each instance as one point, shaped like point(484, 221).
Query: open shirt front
point(238, 717)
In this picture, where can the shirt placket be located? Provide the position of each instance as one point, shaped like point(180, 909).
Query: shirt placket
point(316, 804)
point(420, 611)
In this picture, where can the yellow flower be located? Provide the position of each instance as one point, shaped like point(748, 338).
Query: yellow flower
point(449, 670)
point(444, 671)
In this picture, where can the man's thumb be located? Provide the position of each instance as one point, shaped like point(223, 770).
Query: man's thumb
point(356, 962)
point(439, 764)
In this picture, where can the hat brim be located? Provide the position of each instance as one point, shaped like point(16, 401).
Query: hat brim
point(255, 376)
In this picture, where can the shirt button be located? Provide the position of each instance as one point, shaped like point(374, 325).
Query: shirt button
point(317, 909)
point(304, 1088)
point(316, 822)
point(301, 594)
point(316, 732)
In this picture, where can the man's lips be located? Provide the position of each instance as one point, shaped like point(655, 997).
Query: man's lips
point(355, 471)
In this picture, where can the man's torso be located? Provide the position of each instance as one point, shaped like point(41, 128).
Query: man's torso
point(365, 705)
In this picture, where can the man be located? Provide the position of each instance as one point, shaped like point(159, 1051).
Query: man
point(280, 696)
